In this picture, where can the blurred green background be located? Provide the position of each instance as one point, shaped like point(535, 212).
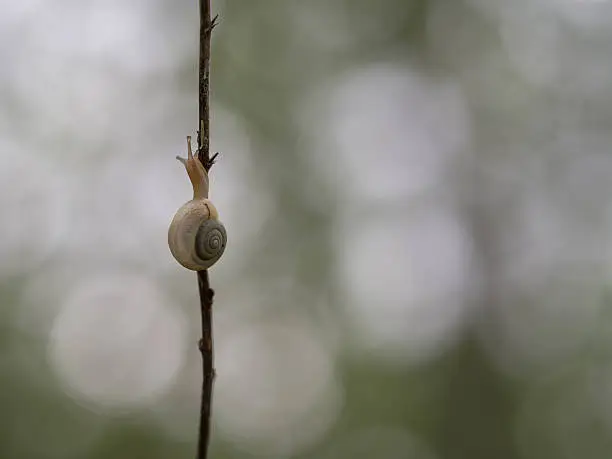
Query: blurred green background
point(417, 199)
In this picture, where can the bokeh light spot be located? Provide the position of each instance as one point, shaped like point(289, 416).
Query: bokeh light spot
point(116, 343)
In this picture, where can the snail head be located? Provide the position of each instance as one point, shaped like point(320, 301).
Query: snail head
point(197, 173)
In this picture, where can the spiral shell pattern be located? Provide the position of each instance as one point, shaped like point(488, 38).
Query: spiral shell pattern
point(210, 241)
point(196, 238)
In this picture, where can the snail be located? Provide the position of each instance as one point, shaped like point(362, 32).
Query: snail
point(196, 237)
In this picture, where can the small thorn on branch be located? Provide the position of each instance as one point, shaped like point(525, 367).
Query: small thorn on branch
point(209, 163)
point(212, 25)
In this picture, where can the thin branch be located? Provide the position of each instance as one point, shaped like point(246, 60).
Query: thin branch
point(206, 293)
point(206, 27)
point(208, 369)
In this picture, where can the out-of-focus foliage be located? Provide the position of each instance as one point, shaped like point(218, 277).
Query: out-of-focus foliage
point(417, 199)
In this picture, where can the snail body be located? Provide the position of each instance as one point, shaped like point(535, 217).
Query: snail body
point(196, 237)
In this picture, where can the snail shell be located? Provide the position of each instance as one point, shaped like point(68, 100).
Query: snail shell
point(196, 237)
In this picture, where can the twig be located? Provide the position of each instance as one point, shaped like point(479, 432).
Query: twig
point(206, 293)
point(208, 370)
point(206, 27)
